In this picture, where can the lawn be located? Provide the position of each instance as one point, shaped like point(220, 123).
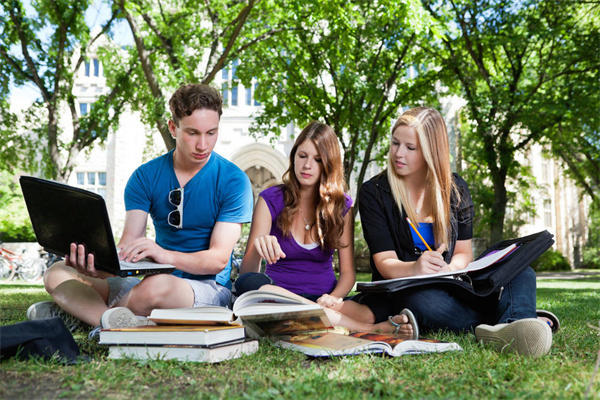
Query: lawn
point(273, 373)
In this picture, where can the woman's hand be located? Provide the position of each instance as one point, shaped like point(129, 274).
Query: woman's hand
point(268, 248)
point(430, 262)
point(329, 301)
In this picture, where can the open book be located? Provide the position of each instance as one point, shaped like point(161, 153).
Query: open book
point(481, 263)
point(335, 344)
point(260, 311)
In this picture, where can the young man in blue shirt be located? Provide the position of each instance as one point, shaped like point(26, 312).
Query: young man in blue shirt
point(198, 202)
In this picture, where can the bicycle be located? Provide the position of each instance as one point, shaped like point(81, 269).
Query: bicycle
point(8, 265)
point(12, 264)
point(7, 269)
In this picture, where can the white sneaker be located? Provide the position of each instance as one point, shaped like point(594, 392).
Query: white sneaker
point(122, 317)
point(527, 337)
point(49, 309)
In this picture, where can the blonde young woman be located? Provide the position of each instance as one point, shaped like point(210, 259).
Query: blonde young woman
point(298, 225)
point(419, 185)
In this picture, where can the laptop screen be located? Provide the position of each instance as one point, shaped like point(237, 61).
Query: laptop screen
point(62, 214)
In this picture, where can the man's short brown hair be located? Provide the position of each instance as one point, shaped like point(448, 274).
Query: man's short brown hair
point(192, 97)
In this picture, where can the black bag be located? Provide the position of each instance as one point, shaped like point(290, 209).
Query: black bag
point(483, 283)
point(46, 338)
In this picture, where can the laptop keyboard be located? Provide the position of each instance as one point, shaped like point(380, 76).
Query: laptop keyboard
point(142, 264)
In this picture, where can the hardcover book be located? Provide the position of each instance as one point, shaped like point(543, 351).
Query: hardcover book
point(184, 353)
point(173, 335)
point(330, 344)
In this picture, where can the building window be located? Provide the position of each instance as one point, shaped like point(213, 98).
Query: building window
point(83, 108)
point(87, 68)
point(228, 85)
point(248, 96)
point(548, 213)
point(96, 67)
point(545, 171)
point(93, 181)
point(234, 95)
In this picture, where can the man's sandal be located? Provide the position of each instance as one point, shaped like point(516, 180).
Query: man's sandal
point(411, 320)
point(555, 323)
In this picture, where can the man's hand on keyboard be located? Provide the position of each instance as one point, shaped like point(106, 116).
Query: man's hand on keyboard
point(143, 248)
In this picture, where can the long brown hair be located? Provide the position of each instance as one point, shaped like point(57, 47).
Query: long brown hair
point(331, 200)
point(433, 139)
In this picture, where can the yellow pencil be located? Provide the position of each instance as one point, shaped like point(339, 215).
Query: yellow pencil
point(415, 229)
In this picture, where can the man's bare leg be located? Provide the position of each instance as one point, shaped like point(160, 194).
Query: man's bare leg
point(158, 291)
point(79, 295)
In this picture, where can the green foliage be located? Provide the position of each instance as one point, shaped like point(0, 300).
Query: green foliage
point(551, 260)
point(345, 64)
point(521, 185)
point(14, 219)
point(591, 249)
point(509, 61)
point(177, 43)
point(43, 46)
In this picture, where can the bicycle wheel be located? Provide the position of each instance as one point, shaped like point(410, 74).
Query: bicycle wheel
point(32, 270)
point(7, 270)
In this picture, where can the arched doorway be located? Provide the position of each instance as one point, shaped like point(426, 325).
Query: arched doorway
point(263, 165)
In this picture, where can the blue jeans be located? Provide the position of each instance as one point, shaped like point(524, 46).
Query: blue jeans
point(250, 281)
point(438, 309)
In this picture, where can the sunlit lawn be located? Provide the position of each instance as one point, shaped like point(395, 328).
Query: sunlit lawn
point(273, 373)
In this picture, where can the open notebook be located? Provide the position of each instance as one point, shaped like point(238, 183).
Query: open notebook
point(63, 214)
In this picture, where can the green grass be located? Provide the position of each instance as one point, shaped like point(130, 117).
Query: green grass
point(274, 373)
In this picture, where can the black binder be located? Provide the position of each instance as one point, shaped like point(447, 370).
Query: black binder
point(484, 282)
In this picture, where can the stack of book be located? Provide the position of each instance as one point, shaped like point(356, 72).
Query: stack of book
point(213, 334)
point(202, 343)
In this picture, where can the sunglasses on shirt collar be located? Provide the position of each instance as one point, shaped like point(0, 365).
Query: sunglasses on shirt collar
point(175, 217)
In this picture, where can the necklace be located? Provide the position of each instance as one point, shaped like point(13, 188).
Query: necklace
point(420, 202)
point(307, 226)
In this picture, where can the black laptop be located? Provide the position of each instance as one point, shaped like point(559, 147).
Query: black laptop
point(63, 214)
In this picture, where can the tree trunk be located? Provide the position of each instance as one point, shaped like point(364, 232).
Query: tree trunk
point(498, 210)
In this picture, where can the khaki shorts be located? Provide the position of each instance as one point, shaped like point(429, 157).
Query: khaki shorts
point(206, 292)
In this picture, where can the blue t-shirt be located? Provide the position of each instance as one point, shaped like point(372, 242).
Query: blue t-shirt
point(219, 192)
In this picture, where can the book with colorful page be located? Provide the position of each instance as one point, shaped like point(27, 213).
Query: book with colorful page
point(262, 312)
point(173, 335)
point(330, 344)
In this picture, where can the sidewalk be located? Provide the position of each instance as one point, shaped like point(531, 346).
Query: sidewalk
point(568, 274)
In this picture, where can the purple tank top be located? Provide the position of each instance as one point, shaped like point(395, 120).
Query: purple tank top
point(302, 271)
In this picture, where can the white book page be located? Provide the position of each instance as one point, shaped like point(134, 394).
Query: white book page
point(476, 265)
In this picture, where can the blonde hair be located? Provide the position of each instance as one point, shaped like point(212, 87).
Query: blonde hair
point(331, 199)
point(433, 140)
